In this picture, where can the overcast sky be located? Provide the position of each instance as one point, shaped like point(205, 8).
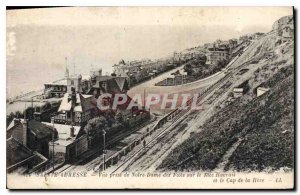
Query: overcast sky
point(38, 40)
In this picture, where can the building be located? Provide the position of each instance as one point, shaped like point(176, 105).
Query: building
point(81, 82)
point(76, 108)
point(214, 55)
point(238, 92)
point(55, 89)
point(108, 84)
point(21, 159)
point(261, 90)
point(31, 134)
point(123, 69)
point(133, 68)
point(74, 81)
point(71, 142)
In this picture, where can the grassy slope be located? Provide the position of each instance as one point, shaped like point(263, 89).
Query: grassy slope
point(262, 121)
point(270, 145)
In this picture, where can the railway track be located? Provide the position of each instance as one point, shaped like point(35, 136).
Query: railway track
point(97, 151)
point(177, 118)
point(181, 115)
point(175, 121)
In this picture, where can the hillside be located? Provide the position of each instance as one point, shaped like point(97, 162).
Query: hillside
point(259, 131)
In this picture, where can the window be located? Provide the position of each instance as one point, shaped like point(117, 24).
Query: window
point(72, 82)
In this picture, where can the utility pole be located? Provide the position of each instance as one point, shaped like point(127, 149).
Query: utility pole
point(104, 150)
point(52, 121)
point(104, 153)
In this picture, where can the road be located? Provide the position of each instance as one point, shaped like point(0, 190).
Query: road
point(188, 88)
point(193, 86)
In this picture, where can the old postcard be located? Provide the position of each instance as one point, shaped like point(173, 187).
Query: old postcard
point(150, 98)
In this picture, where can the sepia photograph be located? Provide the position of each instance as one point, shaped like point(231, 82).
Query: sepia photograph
point(150, 97)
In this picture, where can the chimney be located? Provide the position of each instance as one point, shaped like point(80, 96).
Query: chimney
point(72, 132)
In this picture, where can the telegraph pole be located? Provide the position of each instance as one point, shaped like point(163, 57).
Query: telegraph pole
point(52, 121)
point(104, 151)
point(103, 154)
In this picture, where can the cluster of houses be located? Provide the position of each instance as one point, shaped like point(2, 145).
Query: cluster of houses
point(31, 143)
point(143, 68)
point(139, 70)
point(187, 54)
point(217, 51)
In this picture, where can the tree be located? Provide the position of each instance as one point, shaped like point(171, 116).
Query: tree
point(18, 114)
point(95, 125)
point(188, 69)
point(201, 59)
point(221, 64)
point(119, 117)
point(9, 118)
point(29, 112)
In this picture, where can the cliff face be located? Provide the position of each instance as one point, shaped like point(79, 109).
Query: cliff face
point(282, 21)
point(284, 27)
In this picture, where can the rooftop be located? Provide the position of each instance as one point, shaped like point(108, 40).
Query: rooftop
point(63, 130)
point(39, 129)
point(18, 153)
point(263, 89)
point(83, 103)
point(62, 82)
point(238, 90)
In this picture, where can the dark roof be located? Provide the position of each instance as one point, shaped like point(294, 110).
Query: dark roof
point(15, 130)
point(103, 78)
point(21, 158)
point(39, 129)
point(122, 83)
point(112, 80)
point(16, 152)
point(87, 103)
point(112, 86)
